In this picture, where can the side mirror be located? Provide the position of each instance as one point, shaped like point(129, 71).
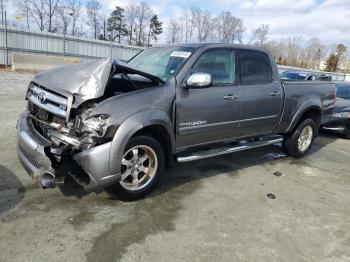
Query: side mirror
point(199, 80)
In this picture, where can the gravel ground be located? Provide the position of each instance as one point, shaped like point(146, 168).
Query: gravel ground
point(251, 206)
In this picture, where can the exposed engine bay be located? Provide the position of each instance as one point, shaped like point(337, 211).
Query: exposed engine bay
point(81, 130)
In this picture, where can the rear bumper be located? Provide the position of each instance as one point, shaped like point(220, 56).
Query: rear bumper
point(31, 153)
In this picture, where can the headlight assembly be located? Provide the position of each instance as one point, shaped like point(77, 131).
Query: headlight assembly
point(97, 124)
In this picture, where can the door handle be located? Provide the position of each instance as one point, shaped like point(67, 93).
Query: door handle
point(275, 93)
point(230, 97)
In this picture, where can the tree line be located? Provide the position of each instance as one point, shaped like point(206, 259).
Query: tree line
point(197, 25)
point(138, 24)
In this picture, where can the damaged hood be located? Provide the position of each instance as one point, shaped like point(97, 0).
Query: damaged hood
point(86, 80)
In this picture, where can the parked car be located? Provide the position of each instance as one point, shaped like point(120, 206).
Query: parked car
point(298, 76)
point(340, 121)
point(122, 123)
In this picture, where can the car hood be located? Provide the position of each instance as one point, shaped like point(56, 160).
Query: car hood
point(342, 105)
point(86, 80)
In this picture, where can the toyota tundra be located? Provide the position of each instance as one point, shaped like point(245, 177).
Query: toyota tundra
point(121, 124)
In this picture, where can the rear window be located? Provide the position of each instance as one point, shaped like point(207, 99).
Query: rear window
point(255, 67)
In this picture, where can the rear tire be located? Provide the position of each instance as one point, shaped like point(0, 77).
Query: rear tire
point(298, 143)
point(143, 162)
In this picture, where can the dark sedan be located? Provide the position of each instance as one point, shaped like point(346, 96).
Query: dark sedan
point(340, 121)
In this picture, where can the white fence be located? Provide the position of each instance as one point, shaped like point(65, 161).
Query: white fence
point(13, 40)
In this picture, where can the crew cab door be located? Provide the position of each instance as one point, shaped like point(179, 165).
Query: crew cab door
point(209, 114)
point(261, 97)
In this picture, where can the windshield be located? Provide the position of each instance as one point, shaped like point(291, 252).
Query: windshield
point(343, 91)
point(163, 62)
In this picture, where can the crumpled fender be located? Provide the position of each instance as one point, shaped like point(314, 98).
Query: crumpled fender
point(129, 127)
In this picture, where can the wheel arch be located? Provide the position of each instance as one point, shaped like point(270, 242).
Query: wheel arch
point(155, 123)
point(307, 111)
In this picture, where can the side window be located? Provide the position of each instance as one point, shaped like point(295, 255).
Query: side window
point(220, 63)
point(255, 67)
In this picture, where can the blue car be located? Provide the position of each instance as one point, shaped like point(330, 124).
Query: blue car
point(340, 121)
point(301, 76)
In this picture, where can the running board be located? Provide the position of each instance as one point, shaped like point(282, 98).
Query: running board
point(242, 145)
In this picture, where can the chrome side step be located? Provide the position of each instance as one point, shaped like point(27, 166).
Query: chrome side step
point(242, 145)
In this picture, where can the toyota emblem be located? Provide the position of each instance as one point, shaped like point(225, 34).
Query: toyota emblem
point(42, 97)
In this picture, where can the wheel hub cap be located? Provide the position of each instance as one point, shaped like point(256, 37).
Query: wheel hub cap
point(139, 166)
point(305, 138)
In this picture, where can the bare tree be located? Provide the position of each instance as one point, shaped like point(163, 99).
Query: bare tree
point(93, 8)
point(200, 25)
point(24, 7)
point(143, 16)
point(203, 24)
point(314, 53)
point(173, 31)
point(64, 18)
point(294, 51)
point(278, 50)
point(229, 28)
point(74, 9)
point(187, 26)
point(37, 12)
point(259, 35)
point(50, 10)
point(130, 16)
point(191, 24)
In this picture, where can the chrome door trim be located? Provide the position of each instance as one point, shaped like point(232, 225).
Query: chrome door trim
point(258, 118)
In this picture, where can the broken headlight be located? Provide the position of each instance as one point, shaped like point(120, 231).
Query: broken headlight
point(97, 124)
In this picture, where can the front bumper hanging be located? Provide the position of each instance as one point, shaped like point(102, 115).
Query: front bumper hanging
point(31, 152)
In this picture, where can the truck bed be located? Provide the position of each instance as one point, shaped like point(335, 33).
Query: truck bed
point(300, 94)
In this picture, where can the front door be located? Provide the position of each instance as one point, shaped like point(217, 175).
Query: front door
point(206, 115)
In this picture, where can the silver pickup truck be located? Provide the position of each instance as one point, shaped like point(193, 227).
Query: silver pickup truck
point(120, 124)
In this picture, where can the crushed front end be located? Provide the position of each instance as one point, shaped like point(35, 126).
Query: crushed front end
point(56, 140)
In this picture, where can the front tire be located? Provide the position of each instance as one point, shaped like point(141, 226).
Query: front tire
point(142, 163)
point(299, 142)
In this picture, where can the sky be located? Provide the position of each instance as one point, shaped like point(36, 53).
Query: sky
point(327, 19)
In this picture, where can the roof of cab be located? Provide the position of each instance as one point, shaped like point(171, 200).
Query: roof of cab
point(198, 45)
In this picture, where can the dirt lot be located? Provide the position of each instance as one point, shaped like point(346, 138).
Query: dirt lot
point(212, 210)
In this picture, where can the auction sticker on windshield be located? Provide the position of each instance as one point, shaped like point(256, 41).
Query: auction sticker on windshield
point(182, 54)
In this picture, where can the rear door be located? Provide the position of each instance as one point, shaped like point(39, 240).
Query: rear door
point(206, 115)
point(261, 97)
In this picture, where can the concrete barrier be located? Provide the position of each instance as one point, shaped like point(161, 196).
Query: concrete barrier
point(29, 62)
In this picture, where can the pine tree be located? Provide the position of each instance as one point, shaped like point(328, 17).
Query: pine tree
point(116, 26)
point(334, 58)
point(332, 63)
point(155, 29)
